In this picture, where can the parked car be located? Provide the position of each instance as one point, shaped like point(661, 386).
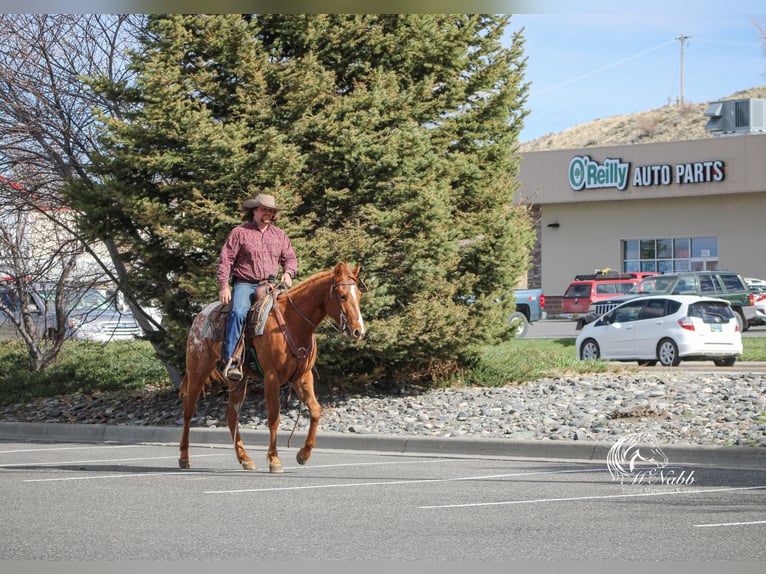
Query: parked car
point(752, 281)
point(759, 318)
point(586, 290)
point(665, 329)
point(94, 316)
point(530, 307)
point(91, 315)
point(42, 321)
point(726, 285)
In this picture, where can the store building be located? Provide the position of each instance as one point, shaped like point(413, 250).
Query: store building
point(672, 206)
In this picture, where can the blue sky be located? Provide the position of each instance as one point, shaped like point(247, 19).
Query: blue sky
point(586, 66)
point(587, 59)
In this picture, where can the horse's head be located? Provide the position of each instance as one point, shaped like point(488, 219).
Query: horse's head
point(346, 294)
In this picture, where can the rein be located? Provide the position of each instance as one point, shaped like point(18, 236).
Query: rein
point(301, 353)
point(341, 314)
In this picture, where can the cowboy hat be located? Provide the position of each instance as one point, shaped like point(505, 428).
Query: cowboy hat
point(260, 200)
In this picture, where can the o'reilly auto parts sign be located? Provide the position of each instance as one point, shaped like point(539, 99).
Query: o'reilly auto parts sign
point(584, 173)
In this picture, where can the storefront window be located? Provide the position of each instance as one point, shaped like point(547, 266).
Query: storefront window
point(705, 248)
point(668, 255)
point(664, 249)
point(665, 266)
point(681, 248)
point(648, 250)
point(630, 250)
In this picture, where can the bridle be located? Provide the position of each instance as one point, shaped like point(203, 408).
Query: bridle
point(341, 315)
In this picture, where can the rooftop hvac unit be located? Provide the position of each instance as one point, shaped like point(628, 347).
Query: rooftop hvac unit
point(731, 117)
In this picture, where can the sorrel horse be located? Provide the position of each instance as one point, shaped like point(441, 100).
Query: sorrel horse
point(286, 352)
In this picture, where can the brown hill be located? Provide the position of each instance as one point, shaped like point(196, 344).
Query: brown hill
point(668, 123)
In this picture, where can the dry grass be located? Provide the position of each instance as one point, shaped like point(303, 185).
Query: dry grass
point(668, 123)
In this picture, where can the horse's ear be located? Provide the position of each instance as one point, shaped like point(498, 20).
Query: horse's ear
point(356, 271)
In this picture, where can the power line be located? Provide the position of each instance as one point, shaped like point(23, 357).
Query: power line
point(601, 69)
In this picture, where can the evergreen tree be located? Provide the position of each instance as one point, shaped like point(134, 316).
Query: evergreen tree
point(391, 139)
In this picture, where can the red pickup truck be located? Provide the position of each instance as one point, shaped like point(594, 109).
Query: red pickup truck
point(586, 289)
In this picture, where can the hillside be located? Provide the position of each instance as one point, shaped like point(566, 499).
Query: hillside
point(668, 123)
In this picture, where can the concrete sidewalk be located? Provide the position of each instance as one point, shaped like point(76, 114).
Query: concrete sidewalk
point(727, 457)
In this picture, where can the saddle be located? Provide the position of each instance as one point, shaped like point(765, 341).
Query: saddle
point(217, 315)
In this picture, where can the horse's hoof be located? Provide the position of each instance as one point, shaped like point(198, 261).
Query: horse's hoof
point(184, 463)
point(275, 468)
point(248, 464)
point(302, 459)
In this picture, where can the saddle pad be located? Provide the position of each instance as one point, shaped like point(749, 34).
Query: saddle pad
point(215, 319)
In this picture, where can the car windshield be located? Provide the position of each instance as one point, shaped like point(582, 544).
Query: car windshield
point(90, 300)
point(654, 284)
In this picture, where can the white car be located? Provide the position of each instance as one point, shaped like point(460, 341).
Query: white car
point(760, 309)
point(664, 329)
point(754, 281)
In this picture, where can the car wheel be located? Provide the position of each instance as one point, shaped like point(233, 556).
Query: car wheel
point(647, 363)
point(741, 321)
point(667, 352)
point(520, 324)
point(589, 350)
point(727, 362)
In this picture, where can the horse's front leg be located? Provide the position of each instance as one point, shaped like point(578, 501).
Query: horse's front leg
point(237, 392)
point(271, 396)
point(191, 388)
point(304, 388)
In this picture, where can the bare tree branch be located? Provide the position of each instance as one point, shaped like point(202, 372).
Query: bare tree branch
point(49, 132)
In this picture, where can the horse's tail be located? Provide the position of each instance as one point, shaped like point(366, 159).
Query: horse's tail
point(183, 387)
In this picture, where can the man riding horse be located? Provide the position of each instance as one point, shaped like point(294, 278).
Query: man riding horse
point(250, 258)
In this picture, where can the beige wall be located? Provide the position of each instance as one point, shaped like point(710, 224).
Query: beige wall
point(589, 234)
point(592, 222)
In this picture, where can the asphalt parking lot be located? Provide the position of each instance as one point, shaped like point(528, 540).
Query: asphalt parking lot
point(105, 500)
point(96, 493)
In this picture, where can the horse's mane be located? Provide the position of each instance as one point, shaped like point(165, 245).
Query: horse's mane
point(309, 282)
point(318, 277)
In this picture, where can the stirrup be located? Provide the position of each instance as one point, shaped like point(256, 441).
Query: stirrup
point(232, 370)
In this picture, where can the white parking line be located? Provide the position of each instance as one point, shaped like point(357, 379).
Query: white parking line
point(107, 476)
point(397, 482)
point(731, 524)
point(61, 448)
point(99, 460)
point(177, 472)
point(601, 497)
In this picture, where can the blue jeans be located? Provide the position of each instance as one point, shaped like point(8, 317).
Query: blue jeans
point(242, 296)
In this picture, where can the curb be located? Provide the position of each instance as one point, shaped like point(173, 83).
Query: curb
point(718, 456)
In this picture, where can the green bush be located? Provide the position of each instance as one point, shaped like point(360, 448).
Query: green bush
point(82, 367)
point(521, 360)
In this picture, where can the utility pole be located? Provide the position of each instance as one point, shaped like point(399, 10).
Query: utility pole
point(682, 38)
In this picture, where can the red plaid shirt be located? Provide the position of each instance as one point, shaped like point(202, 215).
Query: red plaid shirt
point(253, 255)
